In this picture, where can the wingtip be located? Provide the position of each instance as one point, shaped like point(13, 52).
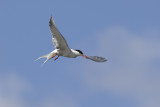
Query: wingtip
point(97, 58)
point(105, 60)
point(51, 21)
point(51, 17)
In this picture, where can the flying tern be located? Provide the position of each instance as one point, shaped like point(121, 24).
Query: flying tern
point(62, 48)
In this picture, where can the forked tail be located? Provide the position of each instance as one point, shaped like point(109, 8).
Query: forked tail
point(44, 56)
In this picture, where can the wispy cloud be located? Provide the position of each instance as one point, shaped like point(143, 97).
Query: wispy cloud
point(12, 89)
point(131, 68)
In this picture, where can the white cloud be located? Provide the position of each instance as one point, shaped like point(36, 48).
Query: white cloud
point(129, 70)
point(12, 88)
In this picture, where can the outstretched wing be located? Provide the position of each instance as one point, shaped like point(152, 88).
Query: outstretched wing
point(57, 38)
point(96, 58)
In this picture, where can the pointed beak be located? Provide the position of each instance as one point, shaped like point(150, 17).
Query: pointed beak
point(84, 56)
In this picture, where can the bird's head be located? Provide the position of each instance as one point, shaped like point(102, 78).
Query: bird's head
point(80, 53)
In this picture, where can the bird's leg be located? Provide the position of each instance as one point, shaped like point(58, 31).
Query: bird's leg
point(56, 58)
point(53, 56)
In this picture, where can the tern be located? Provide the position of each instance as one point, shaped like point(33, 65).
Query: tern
point(62, 48)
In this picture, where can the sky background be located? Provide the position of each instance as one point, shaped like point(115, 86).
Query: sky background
point(126, 32)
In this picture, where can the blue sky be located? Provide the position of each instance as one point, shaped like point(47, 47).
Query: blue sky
point(126, 32)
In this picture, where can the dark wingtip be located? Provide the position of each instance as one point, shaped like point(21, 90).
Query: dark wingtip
point(96, 58)
point(51, 22)
point(51, 17)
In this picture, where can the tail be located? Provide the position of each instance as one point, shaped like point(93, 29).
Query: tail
point(43, 57)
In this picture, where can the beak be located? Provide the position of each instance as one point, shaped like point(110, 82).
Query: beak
point(84, 56)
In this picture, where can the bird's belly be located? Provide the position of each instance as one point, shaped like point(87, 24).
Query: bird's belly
point(70, 56)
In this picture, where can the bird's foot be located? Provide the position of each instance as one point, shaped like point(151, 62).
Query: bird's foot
point(53, 56)
point(56, 58)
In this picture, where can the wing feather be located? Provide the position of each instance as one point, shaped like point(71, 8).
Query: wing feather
point(96, 58)
point(57, 38)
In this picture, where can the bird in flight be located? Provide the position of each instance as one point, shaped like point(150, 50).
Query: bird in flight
point(62, 48)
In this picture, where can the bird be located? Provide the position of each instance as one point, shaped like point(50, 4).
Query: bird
point(62, 48)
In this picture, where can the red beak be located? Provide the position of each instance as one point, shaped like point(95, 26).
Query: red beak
point(84, 56)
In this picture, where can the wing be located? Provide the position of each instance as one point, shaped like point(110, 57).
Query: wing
point(57, 38)
point(96, 58)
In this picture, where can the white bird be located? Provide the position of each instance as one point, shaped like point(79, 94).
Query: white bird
point(62, 48)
